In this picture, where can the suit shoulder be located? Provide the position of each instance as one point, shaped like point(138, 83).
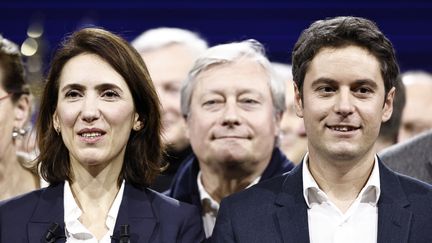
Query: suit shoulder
point(19, 208)
point(165, 204)
point(408, 149)
point(21, 201)
point(413, 186)
point(262, 192)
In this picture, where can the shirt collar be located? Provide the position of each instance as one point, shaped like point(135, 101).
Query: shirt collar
point(370, 193)
point(115, 208)
point(208, 203)
point(72, 211)
point(205, 197)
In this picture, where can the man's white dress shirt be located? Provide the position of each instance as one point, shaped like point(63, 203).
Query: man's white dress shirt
point(210, 207)
point(327, 224)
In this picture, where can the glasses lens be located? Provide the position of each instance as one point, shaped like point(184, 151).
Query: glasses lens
point(5, 96)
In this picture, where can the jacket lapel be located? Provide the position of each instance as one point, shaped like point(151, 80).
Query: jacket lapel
point(278, 165)
point(49, 210)
point(136, 211)
point(291, 215)
point(394, 219)
point(184, 187)
point(429, 165)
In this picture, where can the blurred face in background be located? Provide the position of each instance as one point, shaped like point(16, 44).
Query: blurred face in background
point(6, 121)
point(417, 114)
point(168, 67)
point(11, 115)
point(232, 122)
point(293, 140)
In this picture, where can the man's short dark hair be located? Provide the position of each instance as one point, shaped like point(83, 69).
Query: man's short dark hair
point(340, 32)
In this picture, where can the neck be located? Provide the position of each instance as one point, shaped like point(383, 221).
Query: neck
point(95, 186)
point(14, 178)
point(90, 186)
point(342, 181)
point(95, 195)
point(220, 184)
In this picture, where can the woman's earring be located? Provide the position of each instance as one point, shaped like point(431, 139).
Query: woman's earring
point(18, 132)
point(57, 129)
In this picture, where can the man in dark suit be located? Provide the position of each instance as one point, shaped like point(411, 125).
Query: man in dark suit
point(412, 157)
point(344, 70)
point(233, 106)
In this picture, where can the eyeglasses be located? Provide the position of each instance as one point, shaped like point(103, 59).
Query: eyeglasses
point(6, 96)
point(8, 47)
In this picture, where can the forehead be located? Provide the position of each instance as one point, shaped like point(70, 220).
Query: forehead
point(419, 92)
point(242, 74)
point(169, 63)
point(345, 63)
point(90, 69)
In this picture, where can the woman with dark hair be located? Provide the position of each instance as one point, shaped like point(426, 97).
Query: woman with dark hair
point(98, 133)
point(16, 176)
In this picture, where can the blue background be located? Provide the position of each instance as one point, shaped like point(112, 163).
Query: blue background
point(277, 24)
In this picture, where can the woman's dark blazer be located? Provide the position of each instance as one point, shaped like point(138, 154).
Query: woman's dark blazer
point(149, 216)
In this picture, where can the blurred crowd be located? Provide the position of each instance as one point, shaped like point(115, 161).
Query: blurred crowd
point(210, 98)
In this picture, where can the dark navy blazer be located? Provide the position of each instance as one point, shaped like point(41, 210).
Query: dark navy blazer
point(185, 187)
point(275, 211)
point(151, 216)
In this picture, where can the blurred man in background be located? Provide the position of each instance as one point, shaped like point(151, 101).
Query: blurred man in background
point(417, 115)
point(169, 53)
point(412, 157)
point(293, 141)
point(389, 131)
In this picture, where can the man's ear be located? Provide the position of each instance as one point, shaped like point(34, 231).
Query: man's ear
point(388, 105)
point(22, 111)
point(277, 122)
point(187, 120)
point(298, 103)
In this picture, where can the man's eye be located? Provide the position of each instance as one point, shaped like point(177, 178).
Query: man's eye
point(172, 89)
point(249, 101)
point(364, 90)
point(325, 89)
point(210, 102)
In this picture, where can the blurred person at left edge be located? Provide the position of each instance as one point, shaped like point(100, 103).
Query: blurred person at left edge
point(16, 175)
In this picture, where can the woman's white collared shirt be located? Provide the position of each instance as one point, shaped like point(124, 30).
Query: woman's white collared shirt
point(75, 231)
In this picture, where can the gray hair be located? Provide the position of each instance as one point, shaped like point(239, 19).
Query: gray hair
point(160, 37)
point(416, 77)
point(283, 71)
point(229, 53)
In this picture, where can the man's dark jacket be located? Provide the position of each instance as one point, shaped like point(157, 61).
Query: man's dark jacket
point(185, 188)
point(276, 211)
